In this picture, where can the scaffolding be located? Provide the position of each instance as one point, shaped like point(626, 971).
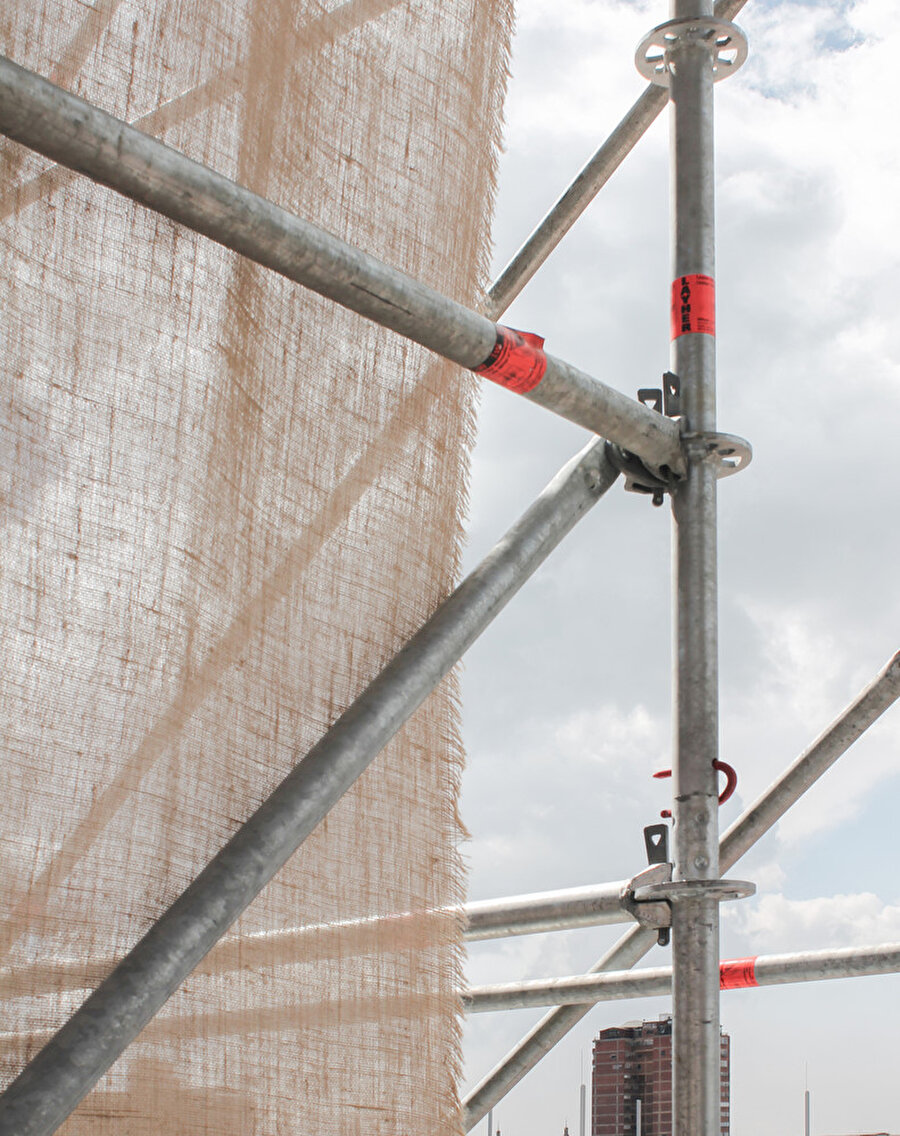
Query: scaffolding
point(665, 443)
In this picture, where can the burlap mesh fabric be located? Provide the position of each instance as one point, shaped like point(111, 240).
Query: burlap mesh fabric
point(225, 504)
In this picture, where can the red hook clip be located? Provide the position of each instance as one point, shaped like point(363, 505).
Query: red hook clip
point(722, 767)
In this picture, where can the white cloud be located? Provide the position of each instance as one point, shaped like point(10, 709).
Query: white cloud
point(809, 361)
point(555, 798)
point(776, 923)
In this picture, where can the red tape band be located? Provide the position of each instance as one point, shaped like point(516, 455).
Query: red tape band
point(737, 973)
point(517, 361)
point(693, 305)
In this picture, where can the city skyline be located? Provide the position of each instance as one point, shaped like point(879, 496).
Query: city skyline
point(631, 1080)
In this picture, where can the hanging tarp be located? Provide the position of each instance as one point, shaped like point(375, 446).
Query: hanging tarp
point(224, 504)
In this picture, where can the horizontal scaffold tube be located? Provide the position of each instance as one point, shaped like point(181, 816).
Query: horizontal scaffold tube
point(84, 138)
point(760, 970)
point(752, 825)
point(555, 911)
point(541, 912)
point(51, 1086)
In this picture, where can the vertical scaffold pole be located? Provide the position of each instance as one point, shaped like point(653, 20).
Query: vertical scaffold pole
point(695, 920)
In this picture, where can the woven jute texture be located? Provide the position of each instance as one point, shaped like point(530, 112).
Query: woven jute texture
point(224, 504)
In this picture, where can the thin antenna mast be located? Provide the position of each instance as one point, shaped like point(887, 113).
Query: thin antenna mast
point(806, 1103)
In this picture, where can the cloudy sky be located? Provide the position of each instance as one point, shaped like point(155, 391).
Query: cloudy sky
point(568, 697)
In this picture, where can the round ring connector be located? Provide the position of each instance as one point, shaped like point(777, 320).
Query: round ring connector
point(724, 40)
point(720, 890)
point(730, 453)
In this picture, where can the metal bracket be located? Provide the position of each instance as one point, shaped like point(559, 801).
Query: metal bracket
point(653, 913)
point(730, 453)
point(720, 890)
point(655, 874)
point(724, 40)
point(651, 397)
point(640, 478)
point(656, 842)
point(671, 395)
point(665, 400)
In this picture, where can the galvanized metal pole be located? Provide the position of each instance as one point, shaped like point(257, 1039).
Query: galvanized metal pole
point(880, 694)
point(695, 920)
point(546, 1033)
point(51, 1086)
point(732, 974)
point(559, 911)
point(868, 706)
point(696, 617)
point(584, 990)
point(82, 137)
point(538, 913)
point(585, 188)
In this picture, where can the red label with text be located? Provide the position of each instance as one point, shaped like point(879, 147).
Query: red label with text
point(737, 973)
point(517, 361)
point(693, 305)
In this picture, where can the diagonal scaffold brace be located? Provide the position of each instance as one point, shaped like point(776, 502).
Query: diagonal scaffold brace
point(53, 1083)
point(82, 137)
point(87, 140)
point(592, 178)
point(750, 827)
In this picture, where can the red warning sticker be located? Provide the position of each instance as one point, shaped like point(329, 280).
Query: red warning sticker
point(517, 361)
point(693, 305)
point(736, 973)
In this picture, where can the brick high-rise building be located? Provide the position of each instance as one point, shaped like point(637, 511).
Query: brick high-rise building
point(632, 1076)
